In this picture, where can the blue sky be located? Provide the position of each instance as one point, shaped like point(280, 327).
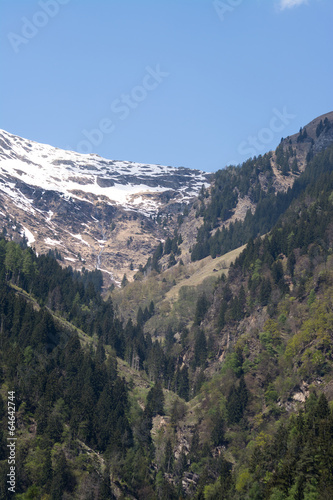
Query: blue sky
point(198, 83)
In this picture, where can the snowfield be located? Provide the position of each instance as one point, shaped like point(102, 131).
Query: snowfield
point(87, 177)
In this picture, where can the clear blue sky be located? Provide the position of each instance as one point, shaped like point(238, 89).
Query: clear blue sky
point(196, 83)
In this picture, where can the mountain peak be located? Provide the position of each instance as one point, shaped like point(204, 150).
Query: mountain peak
point(73, 202)
point(92, 178)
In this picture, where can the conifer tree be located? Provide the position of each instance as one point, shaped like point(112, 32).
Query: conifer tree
point(124, 281)
point(200, 348)
point(201, 309)
point(183, 383)
point(155, 400)
point(168, 457)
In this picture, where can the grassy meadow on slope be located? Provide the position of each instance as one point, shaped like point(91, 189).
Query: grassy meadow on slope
point(174, 292)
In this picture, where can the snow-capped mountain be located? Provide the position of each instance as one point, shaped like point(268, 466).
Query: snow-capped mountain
point(90, 177)
point(96, 212)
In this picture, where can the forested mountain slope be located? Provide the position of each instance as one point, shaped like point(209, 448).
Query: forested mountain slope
point(221, 388)
point(266, 185)
point(243, 201)
point(262, 334)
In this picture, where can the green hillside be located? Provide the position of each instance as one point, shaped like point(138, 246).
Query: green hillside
point(209, 379)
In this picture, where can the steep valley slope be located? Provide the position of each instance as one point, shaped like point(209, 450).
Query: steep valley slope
point(111, 215)
point(207, 374)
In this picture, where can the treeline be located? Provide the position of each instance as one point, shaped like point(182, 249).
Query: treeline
point(323, 126)
point(269, 208)
point(266, 268)
point(230, 183)
point(307, 222)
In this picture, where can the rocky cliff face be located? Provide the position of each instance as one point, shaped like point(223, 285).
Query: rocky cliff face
point(95, 212)
point(111, 214)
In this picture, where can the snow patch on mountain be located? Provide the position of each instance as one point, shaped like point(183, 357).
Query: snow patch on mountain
point(29, 236)
point(97, 213)
point(90, 177)
point(51, 242)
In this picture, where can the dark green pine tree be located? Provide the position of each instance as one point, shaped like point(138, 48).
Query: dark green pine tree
point(151, 308)
point(323, 410)
point(285, 169)
point(174, 245)
point(146, 314)
point(200, 349)
point(217, 435)
point(168, 457)
point(234, 407)
point(169, 339)
point(183, 383)
point(41, 415)
point(45, 331)
point(201, 309)
point(100, 352)
point(54, 428)
point(105, 492)
point(195, 445)
point(172, 261)
point(225, 476)
point(237, 401)
point(47, 472)
point(222, 314)
point(156, 257)
point(243, 393)
point(294, 167)
point(155, 400)
point(320, 128)
point(143, 429)
point(265, 291)
point(277, 272)
point(62, 480)
point(291, 262)
point(139, 317)
point(167, 246)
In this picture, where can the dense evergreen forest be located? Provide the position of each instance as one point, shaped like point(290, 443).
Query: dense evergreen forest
point(233, 405)
point(235, 182)
point(286, 277)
